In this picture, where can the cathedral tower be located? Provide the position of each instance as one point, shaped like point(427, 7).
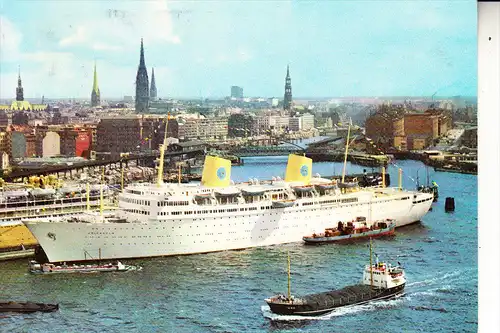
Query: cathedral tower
point(287, 102)
point(153, 92)
point(19, 89)
point(142, 85)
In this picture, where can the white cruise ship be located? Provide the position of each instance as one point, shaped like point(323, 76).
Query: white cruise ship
point(173, 219)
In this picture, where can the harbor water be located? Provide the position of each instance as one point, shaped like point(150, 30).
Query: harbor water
point(225, 291)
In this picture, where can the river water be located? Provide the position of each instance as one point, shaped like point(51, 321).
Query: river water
point(225, 291)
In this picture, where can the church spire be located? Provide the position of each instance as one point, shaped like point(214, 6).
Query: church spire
point(142, 63)
point(95, 96)
point(19, 89)
point(95, 87)
point(142, 85)
point(153, 92)
point(287, 101)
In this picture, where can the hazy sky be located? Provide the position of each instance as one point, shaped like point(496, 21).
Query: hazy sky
point(201, 48)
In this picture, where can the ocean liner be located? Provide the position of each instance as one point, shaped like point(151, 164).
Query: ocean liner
point(173, 219)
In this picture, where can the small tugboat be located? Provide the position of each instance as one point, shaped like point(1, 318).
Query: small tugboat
point(352, 231)
point(49, 268)
point(27, 307)
point(380, 281)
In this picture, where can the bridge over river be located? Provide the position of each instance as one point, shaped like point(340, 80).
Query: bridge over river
point(140, 159)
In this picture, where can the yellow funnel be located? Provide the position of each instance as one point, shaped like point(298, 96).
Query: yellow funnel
point(298, 169)
point(216, 172)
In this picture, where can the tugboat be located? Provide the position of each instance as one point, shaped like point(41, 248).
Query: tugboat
point(352, 231)
point(27, 307)
point(380, 281)
point(49, 268)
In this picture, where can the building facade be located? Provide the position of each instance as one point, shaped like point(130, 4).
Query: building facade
point(30, 144)
point(39, 134)
point(204, 128)
point(68, 138)
point(236, 92)
point(153, 131)
point(83, 143)
point(18, 141)
point(5, 143)
point(407, 131)
point(469, 138)
point(20, 118)
point(241, 125)
point(307, 121)
point(116, 135)
point(295, 124)
point(4, 119)
point(383, 128)
point(51, 144)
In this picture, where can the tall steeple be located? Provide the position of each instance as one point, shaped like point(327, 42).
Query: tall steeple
point(19, 89)
point(287, 102)
point(152, 91)
point(142, 85)
point(95, 96)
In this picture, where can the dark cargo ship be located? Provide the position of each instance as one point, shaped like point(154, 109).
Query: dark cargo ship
point(380, 281)
point(27, 307)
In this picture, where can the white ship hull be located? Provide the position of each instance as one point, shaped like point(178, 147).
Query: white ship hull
point(239, 228)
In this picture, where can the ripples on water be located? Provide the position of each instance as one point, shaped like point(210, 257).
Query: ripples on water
point(225, 291)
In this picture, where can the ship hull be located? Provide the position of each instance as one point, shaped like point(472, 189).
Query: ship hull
point(364, 295)
point(239, 228)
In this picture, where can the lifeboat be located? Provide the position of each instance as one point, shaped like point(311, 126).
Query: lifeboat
point(326, 186)
point(15, 194)
point(348, 185)
point(283, 203)
point(70, 189)
point(42, 192)
point(303, 189)
point(227, 192)
point(253, 191)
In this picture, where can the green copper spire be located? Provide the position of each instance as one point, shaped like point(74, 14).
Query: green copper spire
point(95, 97)
point(95, 87)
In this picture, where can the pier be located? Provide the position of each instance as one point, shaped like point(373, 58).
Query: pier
point(11, 255)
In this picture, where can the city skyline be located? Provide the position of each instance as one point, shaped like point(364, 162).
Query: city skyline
point(410, 49)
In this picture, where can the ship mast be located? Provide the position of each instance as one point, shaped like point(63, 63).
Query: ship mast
point(102, 195)
point(122, 178)
point(346, 149)
point(179, 174)
point(162, 154)
point(371, 267)
point(88, 197)
point(289, 293)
